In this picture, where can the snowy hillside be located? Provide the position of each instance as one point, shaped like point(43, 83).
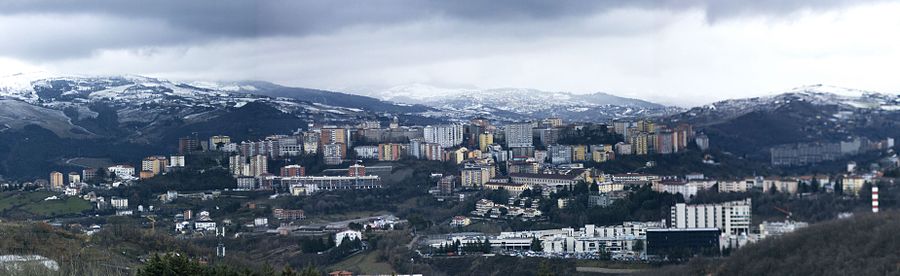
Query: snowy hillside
point(845, 100)
point(520, 103)
point(143, 105)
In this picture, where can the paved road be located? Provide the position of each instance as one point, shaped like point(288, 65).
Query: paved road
point(412, 242)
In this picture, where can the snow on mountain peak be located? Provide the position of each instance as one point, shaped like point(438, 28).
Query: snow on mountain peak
point(417, 93)
point(829, 89)
point(19, 86)
point(223, 86)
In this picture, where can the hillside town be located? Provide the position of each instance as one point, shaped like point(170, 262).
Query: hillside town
point(509, 174)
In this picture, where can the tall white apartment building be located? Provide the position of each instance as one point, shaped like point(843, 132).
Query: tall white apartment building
point(731, 217)
point(259, 165)
point(519, 135)
point(445, 135)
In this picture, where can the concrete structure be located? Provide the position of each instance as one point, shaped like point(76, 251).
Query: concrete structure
point(335, 136)
point(514, 189)
point(333, 153)
point(447, 184)
point(176, 161)
point(460, 221)
point(852, 184)
point(589, 239)
point(781, 184)
point(348, 234)
point(445, 135)
point(549, 136)
point(217, 142)
point(475, 176)
point(552, 182)
point(624, 149)
point(702, 142)
point(56, 181)
point(259, 165)
point(687, 189)
point(735, 186)
point(733, 218)
point(293, 170)
point(771, 229)
point(485, 140)
point(560, 154)
point(119, 203)
point(122, 171)
point(694, 240)
point(154, 164)
point(519, 136)
point(366, 152)
point(306, 185)
point(286, 214)
point(389, 152)
point(311, 142)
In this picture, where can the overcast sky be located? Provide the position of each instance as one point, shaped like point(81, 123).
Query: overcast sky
point(675, 52)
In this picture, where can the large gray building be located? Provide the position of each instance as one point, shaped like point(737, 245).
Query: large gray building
point(518, 135)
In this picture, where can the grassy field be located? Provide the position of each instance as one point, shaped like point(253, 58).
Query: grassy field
point(367, 262)
point(33, 204)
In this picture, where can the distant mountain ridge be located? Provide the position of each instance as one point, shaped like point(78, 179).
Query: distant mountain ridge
point(813, 113)
point(820, 95)
point(521, 103)
point(47, 117)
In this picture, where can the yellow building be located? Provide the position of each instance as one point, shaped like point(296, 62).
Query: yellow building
point(646, 126)
point(485, 140)
point(56, 181)
point(219, 141)
point(474, 154)
point(781, 185)
point(146, 175)
point(459, 155)
point(553, 122)
point(476, 176)
point(74, 178)
point(639, 144)
point(155, 164)
point(852, 184)
point(389, 152)
point(600, 156)
point(579, 153)
point(512, 188)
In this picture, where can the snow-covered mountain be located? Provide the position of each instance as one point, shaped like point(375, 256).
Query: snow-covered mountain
point(145, 107)
point(520, 103)
point(845, 101)
point(807, 114)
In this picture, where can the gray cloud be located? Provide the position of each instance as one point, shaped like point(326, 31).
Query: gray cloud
point(237, 18)
point(643, 48)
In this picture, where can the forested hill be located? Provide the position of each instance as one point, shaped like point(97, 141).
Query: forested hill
point(866, 244)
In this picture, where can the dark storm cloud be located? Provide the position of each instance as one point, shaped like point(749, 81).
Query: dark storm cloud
point(232, 18)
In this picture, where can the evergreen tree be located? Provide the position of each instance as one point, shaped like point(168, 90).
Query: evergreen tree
point(638, 246)
point(536, 245)
point(288, 271)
